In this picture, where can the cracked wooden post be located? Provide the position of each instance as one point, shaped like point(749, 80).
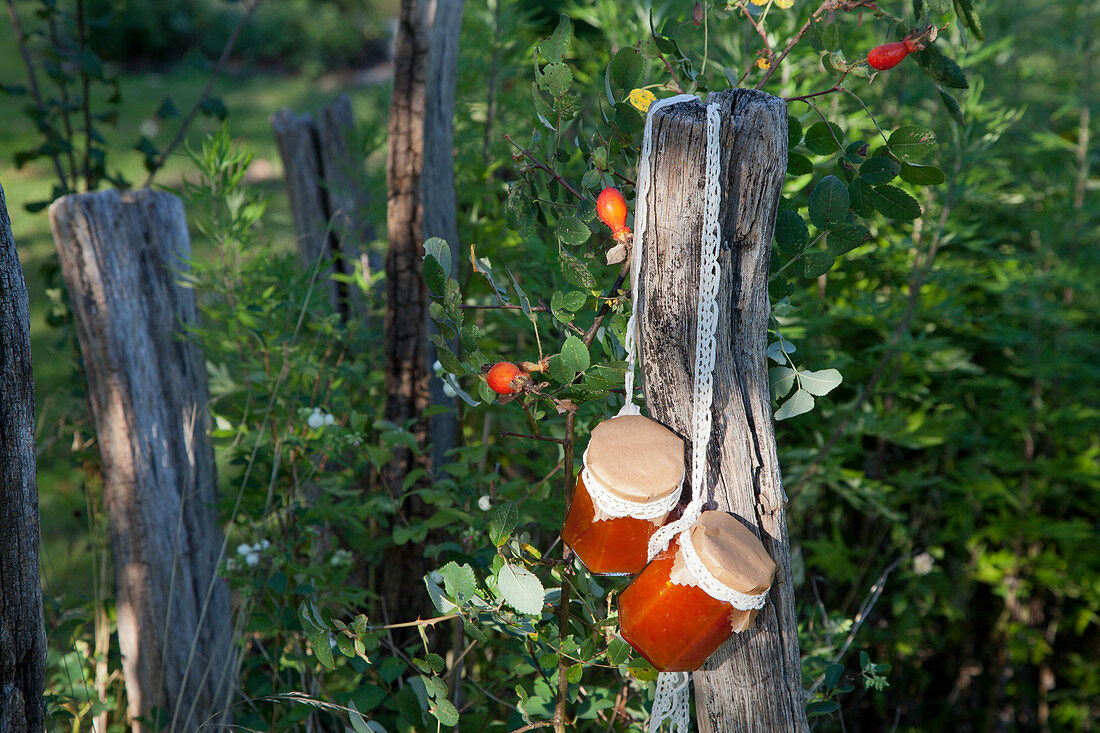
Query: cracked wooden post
point(754, 682)
point(120, 253)
point(327, 191)
point(22, 634)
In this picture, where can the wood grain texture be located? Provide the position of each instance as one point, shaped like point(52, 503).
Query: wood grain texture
point(22, 635)
point(438, 189)
point(406, 373)
point(327, 188)
point(754, 682)
point(119, 253)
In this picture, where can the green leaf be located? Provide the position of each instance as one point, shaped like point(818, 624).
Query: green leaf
point(574, 300)
point(942, 69)
point(576, 272)
point(782, 379)
point(626, 68)
point(573, 231)
point(895, 203)
point(555, 78)
point(816, 264)
point(791, 233)
point(434, 277)
point(521, 589)
point(859, 194)
point(555, 368)
point(574, 673)
point(822, 707)
point(824, 138)
point(502, 522)
point(879, 169)
point(554, 47)
point(441, 251)
point(16, 90)
point(321, 649)
point(445, 712)
point(910, 143)
point(617, 651)
point(821, 382)
point(214, 107)
point(922, 175)
point(794, 131)
point(801, 402)
point(829, 203)
point(953, 108)
point(459, 580)
point(574, 354)
point(798, 164)
point(167, 109)
point(965, 10)
point(847, 237)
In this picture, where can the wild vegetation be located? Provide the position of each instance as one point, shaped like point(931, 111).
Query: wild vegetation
point(933, 348)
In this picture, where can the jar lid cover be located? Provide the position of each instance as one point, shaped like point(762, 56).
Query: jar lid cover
point(732, 553)
point(635, 458)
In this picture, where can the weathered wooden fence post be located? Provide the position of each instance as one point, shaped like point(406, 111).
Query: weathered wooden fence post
point(324, 181)
point(22, 634)
point(120, 252)
point(754, 682)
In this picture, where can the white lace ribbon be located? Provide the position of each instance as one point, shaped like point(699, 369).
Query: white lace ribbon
point(705, 345)
point(614, 506)
point(714, 587)
point(641, 210)
point(671, 702)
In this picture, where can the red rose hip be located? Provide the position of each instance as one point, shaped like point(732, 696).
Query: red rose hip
point(888, 55)
point(501, 377)
point(611, 208)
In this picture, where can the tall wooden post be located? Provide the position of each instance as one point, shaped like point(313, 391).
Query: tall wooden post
point(120, 253)
point(754, 682)
point(327, 191)
point(22, 634)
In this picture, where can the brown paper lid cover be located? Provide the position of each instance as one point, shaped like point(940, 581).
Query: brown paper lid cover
point(635, 458)
point(732, 553)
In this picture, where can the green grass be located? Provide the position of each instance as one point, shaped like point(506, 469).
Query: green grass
point(251, 97)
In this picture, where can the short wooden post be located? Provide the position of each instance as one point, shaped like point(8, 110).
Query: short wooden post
point(120, 253)
point(754, 682)
point(22, 635)
point(324, 181)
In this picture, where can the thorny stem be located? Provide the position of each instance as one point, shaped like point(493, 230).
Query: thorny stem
point(85, 98)
point(222, 61)
point(547, 438)
point(420, 622)
point(679, 89)
point(545, 168)
point(861, 616)
point(827, 5)
point(32, 82)
point(601, 314)
point(566, 571)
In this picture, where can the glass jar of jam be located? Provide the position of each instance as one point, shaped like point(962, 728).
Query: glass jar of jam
point(666, 614)
point(632, 476)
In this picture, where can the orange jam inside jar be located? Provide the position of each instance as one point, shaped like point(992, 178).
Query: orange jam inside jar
point(633, 466)
point(671, 620)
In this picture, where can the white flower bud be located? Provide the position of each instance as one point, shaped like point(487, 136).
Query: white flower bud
point(485, 503)
point(252, 559)
point(244, 549)
point(316, 421)
point(923, 564)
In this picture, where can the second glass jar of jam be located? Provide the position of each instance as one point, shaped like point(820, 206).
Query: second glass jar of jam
point(667, 616)
point(633, 472)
